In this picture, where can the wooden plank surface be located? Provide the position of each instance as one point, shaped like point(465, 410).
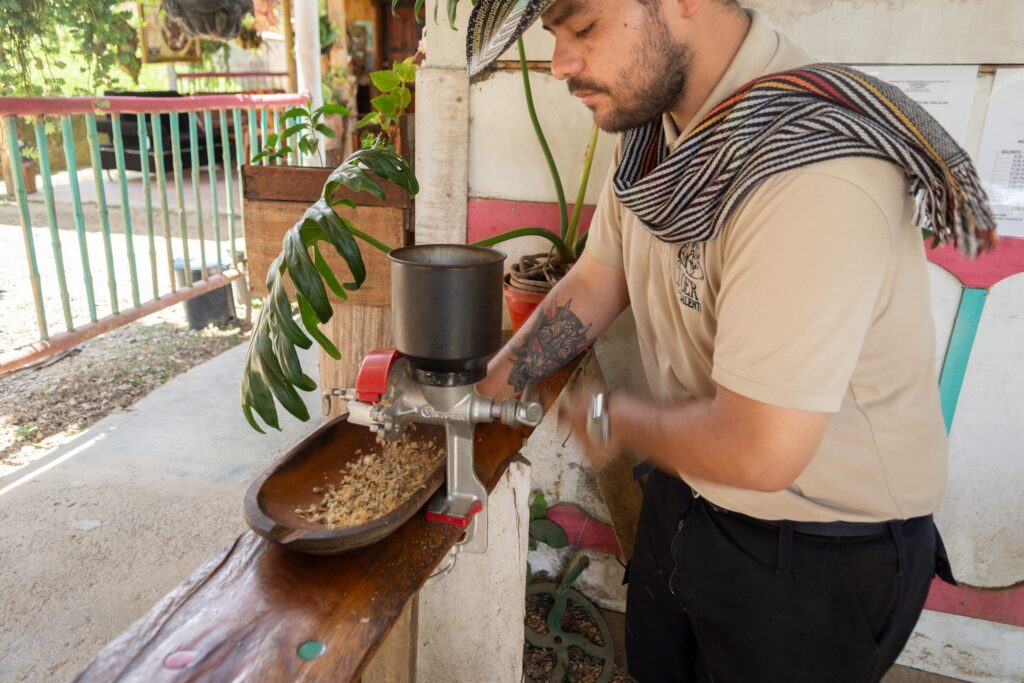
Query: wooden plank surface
point(247, 612)
point(374, 332)
point(266, 223)
point(395, 661)
point(293, 183)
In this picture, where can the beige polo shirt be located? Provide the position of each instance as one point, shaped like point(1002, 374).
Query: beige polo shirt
point(815, 297)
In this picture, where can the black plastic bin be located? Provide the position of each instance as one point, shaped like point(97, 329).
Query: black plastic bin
point(215, 307)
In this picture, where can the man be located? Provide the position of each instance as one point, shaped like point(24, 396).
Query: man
point(767, 238)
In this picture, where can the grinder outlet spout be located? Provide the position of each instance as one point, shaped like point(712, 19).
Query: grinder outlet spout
point(403, 400)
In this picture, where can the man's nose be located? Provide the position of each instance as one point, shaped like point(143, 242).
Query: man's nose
point(565, 62)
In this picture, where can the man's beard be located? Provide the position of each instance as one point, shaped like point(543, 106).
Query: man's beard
point(646, 89)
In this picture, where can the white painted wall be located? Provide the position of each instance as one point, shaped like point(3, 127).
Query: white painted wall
point(471, 621)
point(982, 518)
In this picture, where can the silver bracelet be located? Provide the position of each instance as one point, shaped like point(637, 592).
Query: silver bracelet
point(598, 424)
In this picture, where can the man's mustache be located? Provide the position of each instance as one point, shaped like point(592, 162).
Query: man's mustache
point(581, 84)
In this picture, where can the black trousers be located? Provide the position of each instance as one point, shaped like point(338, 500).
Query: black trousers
point(715, 596)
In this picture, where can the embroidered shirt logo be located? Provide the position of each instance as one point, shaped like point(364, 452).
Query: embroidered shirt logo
point(689, 273)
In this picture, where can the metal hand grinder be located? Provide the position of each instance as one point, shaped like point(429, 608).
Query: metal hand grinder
point(446, 319)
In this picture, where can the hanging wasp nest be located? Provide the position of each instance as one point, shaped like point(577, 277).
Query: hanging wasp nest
point(217, 19)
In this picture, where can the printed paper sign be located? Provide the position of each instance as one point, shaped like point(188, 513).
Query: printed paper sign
point(1001, 160)
point(945, 91)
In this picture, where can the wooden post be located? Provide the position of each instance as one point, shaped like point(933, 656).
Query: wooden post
point(395, 660)
point(340, 147)
point(289, 45)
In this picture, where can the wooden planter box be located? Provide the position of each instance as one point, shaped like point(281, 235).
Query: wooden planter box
point(276, 197)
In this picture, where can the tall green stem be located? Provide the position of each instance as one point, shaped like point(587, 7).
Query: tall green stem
point(564, 253)
point(372, 241)
point(581, 195)
point(563, 211)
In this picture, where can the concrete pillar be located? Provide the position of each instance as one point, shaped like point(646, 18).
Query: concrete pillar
point(471, 621)
point(307, 56)
point(442, 130)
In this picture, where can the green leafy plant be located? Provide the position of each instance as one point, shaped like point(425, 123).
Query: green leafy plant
point(42, 43)
point(309, 123)
point(328, 34)
point(542, 529)
point(395, 97)
point(567, 243)
point(451, 9)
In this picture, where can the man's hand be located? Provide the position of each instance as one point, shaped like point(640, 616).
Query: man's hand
point(572, 418)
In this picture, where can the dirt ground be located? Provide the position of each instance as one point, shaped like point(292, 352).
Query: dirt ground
point(42, 408)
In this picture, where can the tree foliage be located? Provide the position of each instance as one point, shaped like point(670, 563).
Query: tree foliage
point(39, 39)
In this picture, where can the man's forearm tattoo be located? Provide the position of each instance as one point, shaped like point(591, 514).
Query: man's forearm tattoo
point(556, 337)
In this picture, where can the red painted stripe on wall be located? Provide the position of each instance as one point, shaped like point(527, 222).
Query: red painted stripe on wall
point(986, 270)
point(490, 217)
point(1000, 606)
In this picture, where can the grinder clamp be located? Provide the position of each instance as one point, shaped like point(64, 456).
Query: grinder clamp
point(446, 320)
point(388, 398)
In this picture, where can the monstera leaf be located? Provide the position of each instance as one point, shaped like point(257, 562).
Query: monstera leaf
point(272, 369)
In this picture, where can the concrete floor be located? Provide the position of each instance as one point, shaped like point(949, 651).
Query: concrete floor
point(94, 534)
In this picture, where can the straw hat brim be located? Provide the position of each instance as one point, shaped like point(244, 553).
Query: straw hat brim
point(494, 27)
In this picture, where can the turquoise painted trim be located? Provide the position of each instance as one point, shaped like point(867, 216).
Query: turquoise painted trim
point(958, 353)
point(161, 178)
point(43, 149)
point(254, 146)
point(179, 189)
point(236, 116)
point(277, 129)
point(197, 199)
point(211, 172)
point(147, 191)
point(11, 134)
point(240, 160)
point(229, 185)
point(126, 208)
point(101, 202)
point(263, 135)
point(70, 157)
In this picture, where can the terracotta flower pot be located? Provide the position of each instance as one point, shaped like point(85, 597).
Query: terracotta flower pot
point(520, 303)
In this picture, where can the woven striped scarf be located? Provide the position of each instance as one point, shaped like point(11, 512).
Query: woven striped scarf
point(789, 120)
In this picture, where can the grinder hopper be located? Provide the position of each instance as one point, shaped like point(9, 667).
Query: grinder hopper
point(446, 320)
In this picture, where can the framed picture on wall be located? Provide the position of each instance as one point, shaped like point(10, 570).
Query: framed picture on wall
point(163, 38)
point(363, 43)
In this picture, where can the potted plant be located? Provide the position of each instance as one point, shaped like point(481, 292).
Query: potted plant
point(532, 277)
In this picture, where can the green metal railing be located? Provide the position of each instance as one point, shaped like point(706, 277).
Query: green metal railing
point(208, 136)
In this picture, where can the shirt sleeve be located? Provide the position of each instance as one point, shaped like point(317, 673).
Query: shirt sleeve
point(605, 241)
point(804, 264)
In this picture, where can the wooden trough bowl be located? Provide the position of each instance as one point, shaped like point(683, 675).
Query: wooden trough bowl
point(272, 498)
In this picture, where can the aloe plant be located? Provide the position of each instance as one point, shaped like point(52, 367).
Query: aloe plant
point(568, 243)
